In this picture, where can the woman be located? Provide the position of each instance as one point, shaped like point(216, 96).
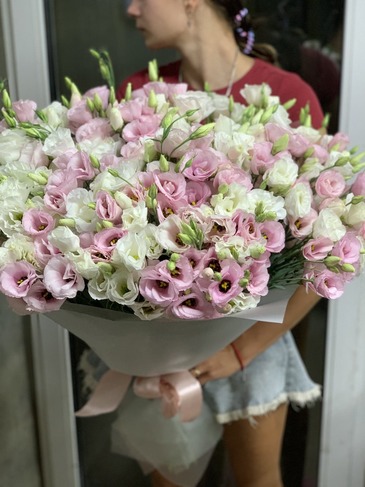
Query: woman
point(216, 47)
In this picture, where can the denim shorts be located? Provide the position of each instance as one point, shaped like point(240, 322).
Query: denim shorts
point(274, 377)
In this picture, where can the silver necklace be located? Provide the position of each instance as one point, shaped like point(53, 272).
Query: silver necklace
point(231, 78)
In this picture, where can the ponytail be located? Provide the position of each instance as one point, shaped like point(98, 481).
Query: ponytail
point(239, 18)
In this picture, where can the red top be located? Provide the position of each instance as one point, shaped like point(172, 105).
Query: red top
point(284, 84)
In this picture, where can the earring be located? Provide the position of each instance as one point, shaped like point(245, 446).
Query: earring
point(189, 15)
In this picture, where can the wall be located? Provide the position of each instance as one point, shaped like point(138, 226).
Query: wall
point(19, 462)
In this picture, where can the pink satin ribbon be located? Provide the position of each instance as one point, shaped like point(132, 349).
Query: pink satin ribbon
point(180, 393)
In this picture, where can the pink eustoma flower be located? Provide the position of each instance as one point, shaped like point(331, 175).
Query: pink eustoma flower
point(302, 227)
point(37, 222)
point(107, 239)
point(94, 129)
point(327, 284)
point(348, 249)
point(181, 276)
point(358, 188)
point(107, 208)
point(274, 234)
point(171, 184)
point(17, 278)
point(317, 249)
point(259, 278)
point(147, 125)
point(25, 110)
point(61, 279)
point(330, 184)
point(156, 286)
point(192, 306)
point(204, 165)
point(232, 174)
point(43, 250)
point(221, 292)
point(39, 299)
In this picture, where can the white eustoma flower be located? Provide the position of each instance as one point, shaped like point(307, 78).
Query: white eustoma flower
point(243, 302)
point(130, 251)
point(298, 200)
point(123, 287)
point(281, 175)
point(100, 147)
point(56, 114)
point(135, 219)
point(83, 263)
point(235, 199)
point(261, 201)
point(12, 143)
point(78, 209)
point(98, 286)
point(147, 311)
point(6, 256)
point(154, 249)
point(329, 225)
point(254, 94)
point(233, 248)
point(192, 100)
point(14, 191)
point(58, 142)
point(281, 117)
point(355, 214)
point(64, 239)
point(21, 247)
point(11, 214)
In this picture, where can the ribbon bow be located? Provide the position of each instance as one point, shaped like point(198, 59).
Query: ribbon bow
point(180, 393)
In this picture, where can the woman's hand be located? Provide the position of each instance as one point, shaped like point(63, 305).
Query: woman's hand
point(223, 364)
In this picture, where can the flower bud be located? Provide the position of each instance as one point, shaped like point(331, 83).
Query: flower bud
point(348, 268)
point(107, 224)
point(331, 260)
point(98, 103)
point(171, 266)
point(175, 257)
point(90, 104)
point(153, 70)
point(123, 200)
point(128, 92)
point(280, 144)
point(289, 104)
point(38, 178)
point(202, 131)
point(208, 272)
point(185, 239)
point(6, 100)
point(217, 276)
point(67, 222)
point(92, 206)
point(164, 164)
point(152, 99)
point(94, 161)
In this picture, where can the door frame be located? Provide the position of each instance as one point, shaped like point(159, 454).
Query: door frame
point(342, 447)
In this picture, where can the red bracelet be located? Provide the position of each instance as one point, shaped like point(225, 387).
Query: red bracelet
point(238, 355)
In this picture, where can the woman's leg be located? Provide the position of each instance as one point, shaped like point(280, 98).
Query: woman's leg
point(254, 450)
point(157, 480)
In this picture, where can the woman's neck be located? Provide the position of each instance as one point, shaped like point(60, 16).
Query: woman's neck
point(210, 54)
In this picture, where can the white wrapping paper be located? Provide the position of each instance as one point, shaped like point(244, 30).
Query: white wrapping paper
point(149, 348)
point(179, 451)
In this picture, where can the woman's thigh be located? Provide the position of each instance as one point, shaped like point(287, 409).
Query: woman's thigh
point(254, 450)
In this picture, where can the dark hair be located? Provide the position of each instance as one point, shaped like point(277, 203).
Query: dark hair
point(237, 15)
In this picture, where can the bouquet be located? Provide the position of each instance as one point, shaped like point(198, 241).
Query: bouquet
point(173, 204)
point(185, 209)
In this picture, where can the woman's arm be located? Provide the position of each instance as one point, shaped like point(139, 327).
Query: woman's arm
point(257, 338)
